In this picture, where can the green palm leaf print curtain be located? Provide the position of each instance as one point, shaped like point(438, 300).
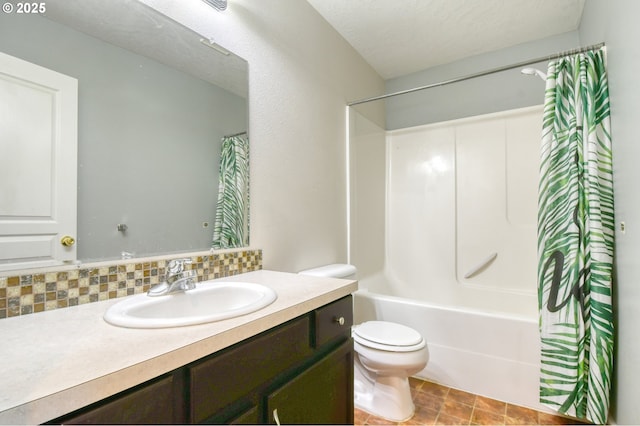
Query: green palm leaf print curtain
point(231, 229)
point(576, 239)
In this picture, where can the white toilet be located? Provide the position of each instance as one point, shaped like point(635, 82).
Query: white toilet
point(387, 354)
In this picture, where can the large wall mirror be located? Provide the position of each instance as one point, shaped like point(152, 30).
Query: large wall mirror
point(155, 101)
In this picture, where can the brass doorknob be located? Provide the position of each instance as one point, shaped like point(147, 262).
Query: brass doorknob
point(67, 241)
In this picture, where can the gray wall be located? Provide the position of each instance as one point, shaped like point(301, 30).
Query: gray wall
point(148, 136)
point(616, 23)
point(496, 92)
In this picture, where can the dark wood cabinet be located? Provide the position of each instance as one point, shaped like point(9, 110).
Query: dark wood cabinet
point(221, 382)
point(321, 394)
point(301, 370)
point(153, 402)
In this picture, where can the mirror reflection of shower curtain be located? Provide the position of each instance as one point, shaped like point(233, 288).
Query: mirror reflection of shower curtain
point(576, 239)
point(231, 229)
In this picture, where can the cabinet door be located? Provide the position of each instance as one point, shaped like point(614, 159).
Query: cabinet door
point(249, 417)
point(323, 394)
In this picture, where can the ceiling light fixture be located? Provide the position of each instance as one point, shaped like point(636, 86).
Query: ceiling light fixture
point(219, 5)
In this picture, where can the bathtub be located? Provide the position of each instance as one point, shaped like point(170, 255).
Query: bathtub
point(486, 353)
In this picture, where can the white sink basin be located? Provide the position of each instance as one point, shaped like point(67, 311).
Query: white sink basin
point(209, 301)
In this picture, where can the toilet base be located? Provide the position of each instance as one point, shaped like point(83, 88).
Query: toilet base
point(388, 397)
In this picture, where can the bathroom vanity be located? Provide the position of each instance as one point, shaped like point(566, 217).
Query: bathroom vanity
point(291, 362)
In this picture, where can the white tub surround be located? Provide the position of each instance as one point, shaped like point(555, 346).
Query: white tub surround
point(62, 360)
point(461, 212)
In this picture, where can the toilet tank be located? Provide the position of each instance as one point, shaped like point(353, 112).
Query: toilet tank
point(335, 270)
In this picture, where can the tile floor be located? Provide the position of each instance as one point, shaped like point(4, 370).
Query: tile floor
point(440, 405)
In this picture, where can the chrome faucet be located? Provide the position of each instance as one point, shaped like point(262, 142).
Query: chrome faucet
point(177, 279)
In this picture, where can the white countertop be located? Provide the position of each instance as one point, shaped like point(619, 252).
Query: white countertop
point(58, 361)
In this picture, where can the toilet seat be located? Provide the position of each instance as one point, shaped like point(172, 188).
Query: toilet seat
point(388, 336)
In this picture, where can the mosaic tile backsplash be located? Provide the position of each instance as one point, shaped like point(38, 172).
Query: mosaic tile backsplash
point(43, 291)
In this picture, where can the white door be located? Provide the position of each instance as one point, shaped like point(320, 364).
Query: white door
point(38, 158)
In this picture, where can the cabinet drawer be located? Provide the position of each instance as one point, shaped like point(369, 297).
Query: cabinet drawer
point(224, 378)
point(151, 403)
point(333, 320)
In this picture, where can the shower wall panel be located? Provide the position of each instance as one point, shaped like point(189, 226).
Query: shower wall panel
point(420, 218)
point(366, 194)
point(460, 193)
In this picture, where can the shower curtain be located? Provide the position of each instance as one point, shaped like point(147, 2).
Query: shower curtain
point(576, 239)
point(231, 229)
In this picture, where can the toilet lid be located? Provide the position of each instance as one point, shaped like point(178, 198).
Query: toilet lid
point(388, 335)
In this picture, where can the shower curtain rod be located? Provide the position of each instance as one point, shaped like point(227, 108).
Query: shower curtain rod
point(235, 134)
point(482, 73)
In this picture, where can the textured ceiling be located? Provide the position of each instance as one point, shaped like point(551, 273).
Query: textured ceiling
point(398, 37)
point(137, 27)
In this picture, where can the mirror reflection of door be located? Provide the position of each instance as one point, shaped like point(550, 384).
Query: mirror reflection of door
point(38, 165)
